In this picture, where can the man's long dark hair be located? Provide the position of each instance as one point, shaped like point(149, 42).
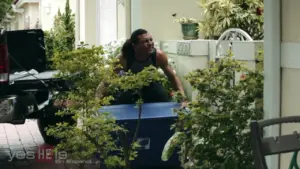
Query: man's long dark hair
point(127, 48)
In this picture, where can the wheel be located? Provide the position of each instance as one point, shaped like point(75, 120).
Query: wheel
point(48, 118)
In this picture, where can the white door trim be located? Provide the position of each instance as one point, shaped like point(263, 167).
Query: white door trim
point(135, 14)
point(98, 19)
point(82, 21)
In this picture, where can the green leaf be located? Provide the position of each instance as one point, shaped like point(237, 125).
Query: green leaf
point(170, 146)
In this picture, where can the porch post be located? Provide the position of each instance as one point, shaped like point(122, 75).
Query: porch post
point(272, 69)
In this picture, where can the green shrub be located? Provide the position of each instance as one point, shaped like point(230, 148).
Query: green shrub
point(220, 15)
point(94, 132)
point(215, 133)
point(5, 8)
point(62, 36)
point(113, 49)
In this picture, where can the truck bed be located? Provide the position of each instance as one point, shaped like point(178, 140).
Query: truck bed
point(47, 75)
point(33, 82)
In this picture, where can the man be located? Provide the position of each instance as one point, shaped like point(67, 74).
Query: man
point(137, 53)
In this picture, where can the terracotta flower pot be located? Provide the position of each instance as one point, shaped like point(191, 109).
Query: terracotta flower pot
point(189, 31)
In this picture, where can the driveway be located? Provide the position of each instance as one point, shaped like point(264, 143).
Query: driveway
point(17, 140)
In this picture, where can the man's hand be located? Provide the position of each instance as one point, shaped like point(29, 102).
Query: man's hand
point(184, 104)
point(162, 62)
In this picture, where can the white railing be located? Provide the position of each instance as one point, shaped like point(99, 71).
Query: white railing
point(242, 50)
point(188, 55)
point(224, 43)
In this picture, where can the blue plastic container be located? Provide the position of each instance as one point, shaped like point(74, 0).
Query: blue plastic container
point(153, 134)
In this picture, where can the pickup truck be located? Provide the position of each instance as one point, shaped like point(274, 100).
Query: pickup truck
point(26, 81)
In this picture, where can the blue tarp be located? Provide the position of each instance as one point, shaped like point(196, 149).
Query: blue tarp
point(149, 110)
point(154, 131)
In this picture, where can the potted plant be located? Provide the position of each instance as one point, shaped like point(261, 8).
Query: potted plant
point(189, 27)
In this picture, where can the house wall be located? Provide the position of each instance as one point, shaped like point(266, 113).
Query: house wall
point(153, 15)
point(33, 13)
point(41, 14)
point(25, 17)
point(290, 44)
point(28, 19)
point(18, 22)
point(156, 16)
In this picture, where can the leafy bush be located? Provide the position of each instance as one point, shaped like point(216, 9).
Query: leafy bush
point(49, 44)
point(94, 132)
point(5, 8)
point(220, 15)
point(215, 133)
point(62, 36)
point(113, 49)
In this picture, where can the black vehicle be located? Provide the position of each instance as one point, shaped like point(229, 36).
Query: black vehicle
point(26, 81)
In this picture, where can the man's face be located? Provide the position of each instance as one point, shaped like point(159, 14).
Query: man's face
point(145, 44)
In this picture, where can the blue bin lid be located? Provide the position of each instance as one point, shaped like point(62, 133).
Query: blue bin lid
point(149, 110)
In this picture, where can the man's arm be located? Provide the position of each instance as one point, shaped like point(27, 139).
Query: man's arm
point(121, 62)
point(162, 62)
point(101, 90)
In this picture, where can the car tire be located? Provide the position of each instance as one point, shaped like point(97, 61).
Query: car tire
point(48, 118)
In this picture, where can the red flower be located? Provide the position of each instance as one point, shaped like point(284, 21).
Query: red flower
point(243, 77)
point(259, 11)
